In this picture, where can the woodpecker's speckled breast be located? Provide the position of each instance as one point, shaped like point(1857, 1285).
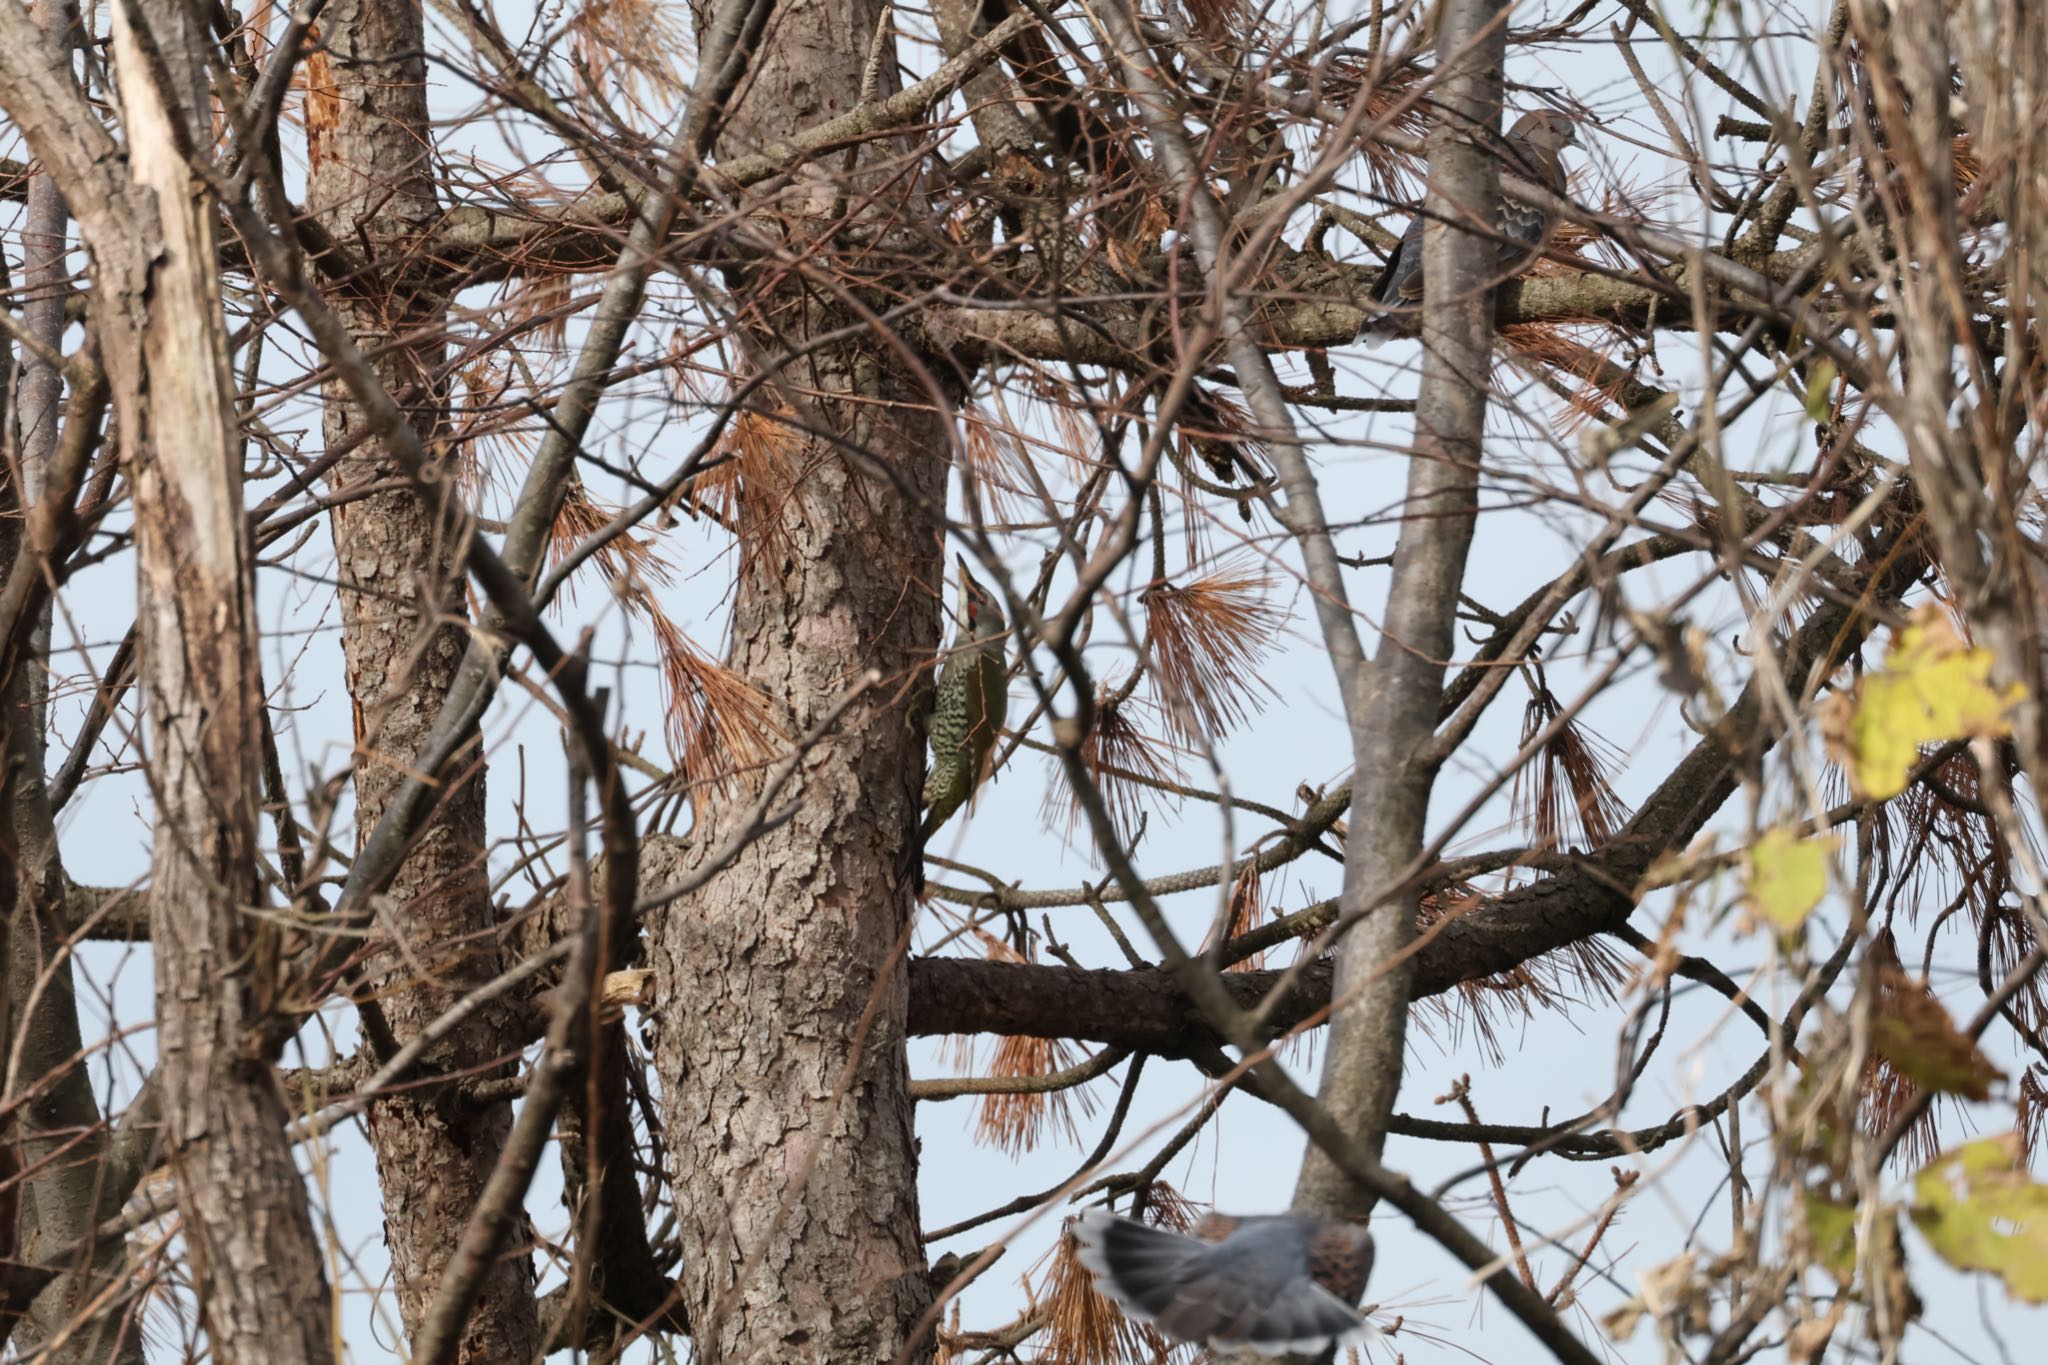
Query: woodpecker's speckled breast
point(972, 701)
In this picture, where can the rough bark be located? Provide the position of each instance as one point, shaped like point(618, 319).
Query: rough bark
point(404, 619)
point(781, 989)
point(256, 1260)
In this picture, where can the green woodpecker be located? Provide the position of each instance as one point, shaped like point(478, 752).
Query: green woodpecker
point(973, 695)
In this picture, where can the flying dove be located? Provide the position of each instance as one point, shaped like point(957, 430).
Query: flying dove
point(1534, 149)
point(1272, 1285)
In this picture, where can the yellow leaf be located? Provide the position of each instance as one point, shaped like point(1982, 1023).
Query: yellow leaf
point(1978, 1209)
point(1831, 1235)
point(1933, 688)
point(1787, 876)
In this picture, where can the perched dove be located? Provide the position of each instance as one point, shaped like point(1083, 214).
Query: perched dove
point(1270, 1285)
point(1535, 146)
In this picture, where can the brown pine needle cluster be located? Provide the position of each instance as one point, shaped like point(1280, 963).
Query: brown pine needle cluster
point(2031, 1111)
point(544, 298)
point(718, 725)
point(1564, 796)
point(1220, 20)
point(1969, 170)
point(748, 479)
point(1391, 174)
point(626, 561)
point(1126, 763)
point(1937, 849)
point(631, 43)
point(1209, 639)
point(1944, 841)
point(1082, 1326)
point(2005, 938)
point(1592, 386)
point(1483, 1006)
point(1048, 397)
point(998, 462)
point(1247, 912)
point(1016, 1122)
point(1169, 1208)
point(480, 436)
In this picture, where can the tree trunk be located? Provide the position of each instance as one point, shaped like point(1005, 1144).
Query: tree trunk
point(262, 1287)
point(404, 621)
point(1401, 690)
point(781, 988)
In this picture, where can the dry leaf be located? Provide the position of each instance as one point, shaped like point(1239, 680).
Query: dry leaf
point(1808, 1340)
point(1831, 1236)
point(631, 986)
point(1921, 1042)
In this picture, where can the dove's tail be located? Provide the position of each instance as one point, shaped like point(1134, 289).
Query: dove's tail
point(1179, 1285)
point(1380, 331)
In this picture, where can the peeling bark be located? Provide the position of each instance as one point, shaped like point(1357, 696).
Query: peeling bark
point(256, 1260)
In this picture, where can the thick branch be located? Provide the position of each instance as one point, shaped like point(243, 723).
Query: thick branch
point(1143, 1010)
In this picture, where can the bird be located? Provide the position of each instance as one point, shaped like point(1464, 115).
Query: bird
point(1535, 147)
point(973, 697)
point(1270, 1284)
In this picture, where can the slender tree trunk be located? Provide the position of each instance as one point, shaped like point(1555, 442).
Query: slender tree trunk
point(1399, 695)
point(781, 989)
point(404, 622)
point(262, 1286)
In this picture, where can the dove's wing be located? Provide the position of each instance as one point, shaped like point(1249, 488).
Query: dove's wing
point(1256, 1296)
point(1398, 286)
point(1532, 151)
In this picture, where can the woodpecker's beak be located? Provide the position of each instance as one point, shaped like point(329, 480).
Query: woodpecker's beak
point(969, 606)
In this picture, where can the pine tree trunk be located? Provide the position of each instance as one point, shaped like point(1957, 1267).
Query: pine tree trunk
point(781, 989)
point(403, 633)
